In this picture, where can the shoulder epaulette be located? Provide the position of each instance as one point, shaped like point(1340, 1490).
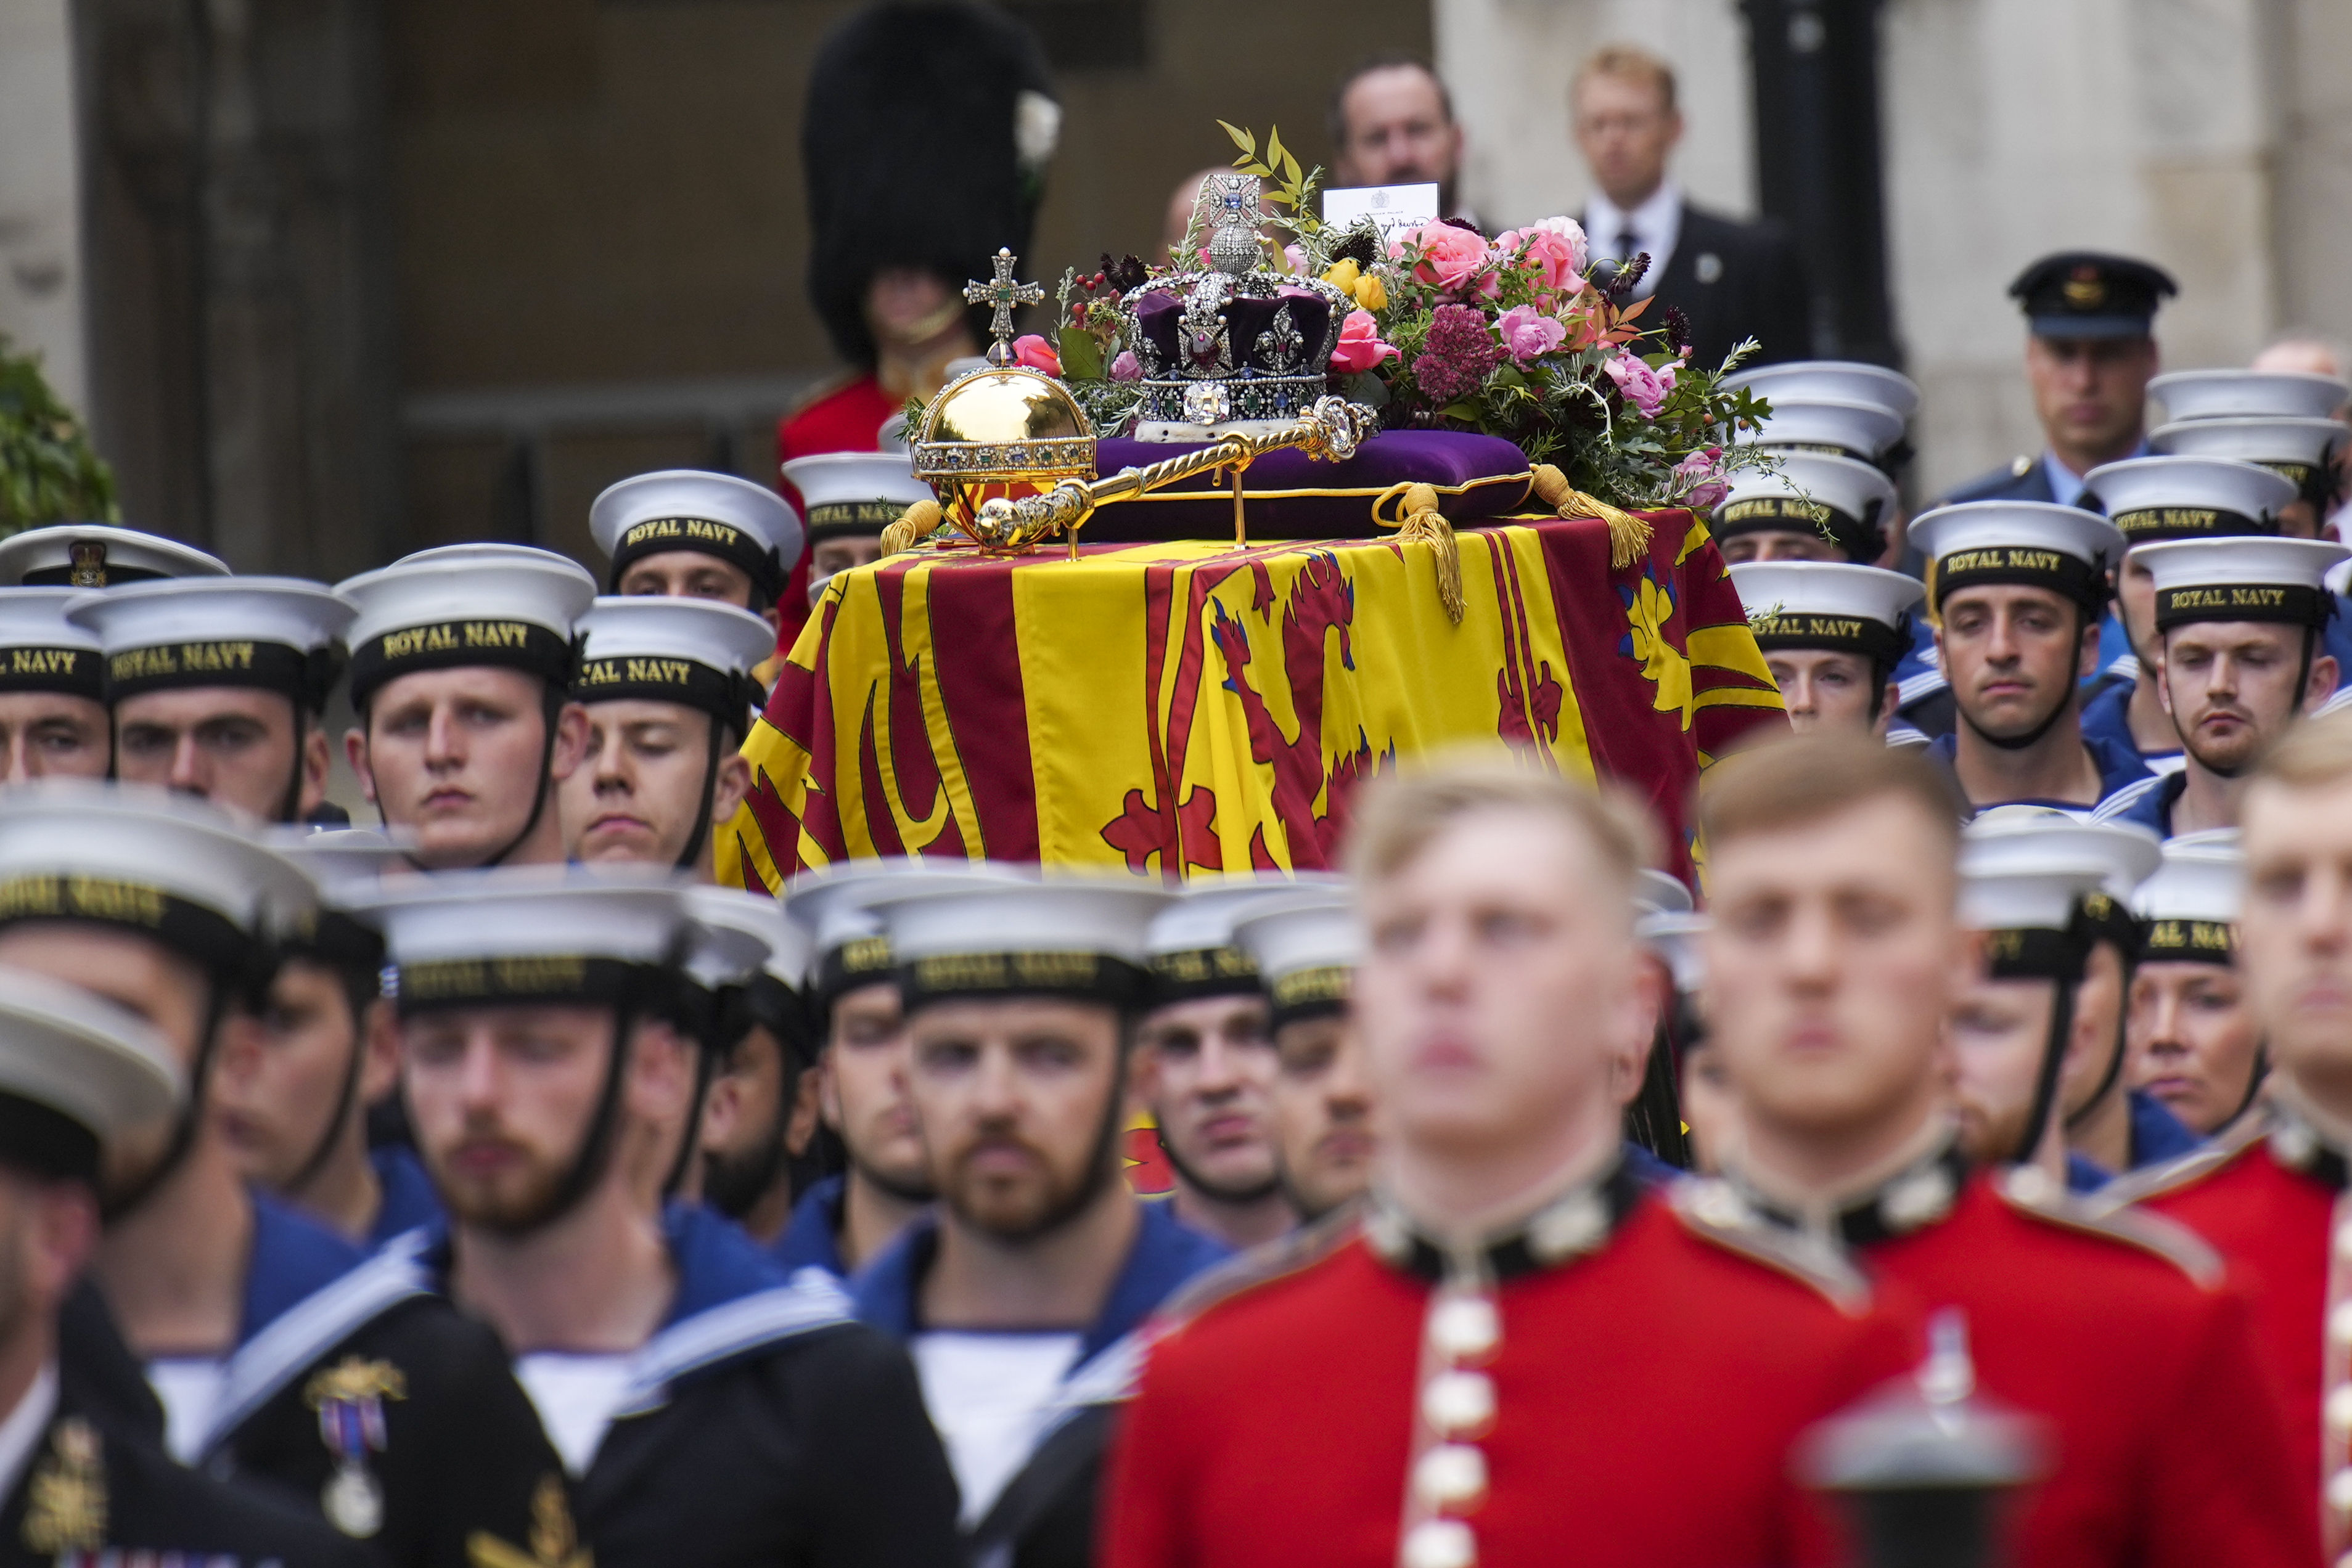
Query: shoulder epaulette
point(1714, 1211)
point(1276, 1259)
point(2029, 1191)
point(2182, 1170)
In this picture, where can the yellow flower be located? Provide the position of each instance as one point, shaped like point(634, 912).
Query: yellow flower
point(1371, 293)
point(1341, 275)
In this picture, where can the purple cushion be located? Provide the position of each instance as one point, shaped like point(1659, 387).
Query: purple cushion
point(1290, 496)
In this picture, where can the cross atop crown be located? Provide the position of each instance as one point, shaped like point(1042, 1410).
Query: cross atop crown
point(1002, 294)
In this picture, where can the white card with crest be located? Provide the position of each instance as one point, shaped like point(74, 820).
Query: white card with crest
point(1393, 208)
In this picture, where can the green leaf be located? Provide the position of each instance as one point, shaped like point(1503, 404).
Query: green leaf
point(1290, 169)
point(1260, 169)
point(1274, 145)
point(1081, 354)
point(1242, 139)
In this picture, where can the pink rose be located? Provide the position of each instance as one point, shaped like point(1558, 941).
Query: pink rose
point(1645, 388)
point(1360, 347)
point(1555, 249)
point(1037, 354)
point(1454, 259)
point(1127, 367)
point(1698, 480)
point(1529, 333)
point(1293, 260)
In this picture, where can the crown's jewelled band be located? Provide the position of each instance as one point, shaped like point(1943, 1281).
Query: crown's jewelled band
point(1041, 458)
point(2290, 605)
point(68, 671)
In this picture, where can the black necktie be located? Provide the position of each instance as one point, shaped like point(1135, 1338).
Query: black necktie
point(1628, 241)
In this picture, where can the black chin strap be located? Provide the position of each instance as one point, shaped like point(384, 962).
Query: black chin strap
point(289, 808)
point(190, 1120)
point(349, 1095)
point(595, 1154)
point(691, 1138)
point(2054, 1058)
point(2116, 1057)
point(693, 851)
point(551, 707)
point(2031, 737)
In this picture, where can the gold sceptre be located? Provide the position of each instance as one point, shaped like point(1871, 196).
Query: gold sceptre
point(1331, 434)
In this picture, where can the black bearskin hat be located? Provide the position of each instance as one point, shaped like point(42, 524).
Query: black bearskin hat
point(925, 143)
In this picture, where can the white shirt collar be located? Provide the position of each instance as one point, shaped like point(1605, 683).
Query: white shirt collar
point(2065, 485)
point(1657, 225)
point(21, 1432)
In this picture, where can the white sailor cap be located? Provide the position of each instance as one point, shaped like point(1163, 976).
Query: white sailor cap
point(2233, 393)
point(2015, 838)
point(2170, 498)
point(2029, 543)
point(280, 633)
point(463, 606)
point(2192, 904)
point(1848, 381)
point(41, 651)
point(341, 862)
point(74, 1070)
point(1307, 946)
point(1001, 932)
point(1859, 609)
point(2298, 449)
point(836, 908)
point(1660, 893)
point(1190, 943)
point(855, 492)
point(171, 867)
point(695, 652)
point(95, 555)
point(1836, 425)
point(751, 921)
point(748, 526)
point(1809, 492)
point(2282, 580)
point(1678, 938)
point(2027, 914)
point(530, 935)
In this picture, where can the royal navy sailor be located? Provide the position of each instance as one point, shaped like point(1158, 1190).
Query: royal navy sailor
point(1832, 636)
point(759, 1147)
point(2015, 591)
point(461, 675)
point(98, 555)
point(2169, 1446)
point(2151, 500)
point(2269, 1191)
point(1306, 946)
point(2237, 623)
point(706, 1406)
point(219, 688)
point(851, 497)
point(690, 533)
point(668, 687)
point(283, 1357)
point(78, 1488)
point(1021, 1292)
point(2195, 1047)
point(1473, 1361)
point(53, 718)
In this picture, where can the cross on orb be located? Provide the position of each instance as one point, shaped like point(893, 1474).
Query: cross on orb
point(1002, 294)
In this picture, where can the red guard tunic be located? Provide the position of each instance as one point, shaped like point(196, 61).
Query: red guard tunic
point(2169, 1451)
point(2266, 1193)
point(1648, 1377)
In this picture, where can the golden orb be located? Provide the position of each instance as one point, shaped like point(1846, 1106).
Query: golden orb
point(1009, 431)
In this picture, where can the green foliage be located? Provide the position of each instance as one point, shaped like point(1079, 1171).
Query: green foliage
point(48, 472)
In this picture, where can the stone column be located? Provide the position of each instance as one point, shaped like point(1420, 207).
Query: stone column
point(41, 287)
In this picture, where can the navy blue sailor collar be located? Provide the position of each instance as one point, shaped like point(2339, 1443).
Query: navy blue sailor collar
point(1165, 1255)
point(307, 1289)
point(812, 1236)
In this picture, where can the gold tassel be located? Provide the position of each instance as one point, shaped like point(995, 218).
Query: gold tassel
point(1629, 536)
point(1419, 518)
point(913, 527)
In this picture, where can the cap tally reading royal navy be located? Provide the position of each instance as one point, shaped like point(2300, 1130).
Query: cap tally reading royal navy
point(463, 606)
point(748, 526)
point(696, 652)
point(276, 633)
point(96, 555)
point(2031, 913)
point(1823, 604)
point(2154, 498)
point(1837, 427)
point(1308, 946)
point(2030, 544)
point(1191, 940)
point(525, 935)
point(2282, 580)
point(2189, 907)
point(2028, 838)
point(853, 493)
point(2300, 449)
point(41, 651)
point(998, 933)
point(849, 948)
point(1842, 500)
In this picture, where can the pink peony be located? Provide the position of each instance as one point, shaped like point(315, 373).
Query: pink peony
point(1454, 259)
point(1360, 347)
point(1529, 333)
point(1127, 367)
point(1293, 260)
point(1037, 354)
point(1699, 479)
point(1645, 388)
point(1555, 249)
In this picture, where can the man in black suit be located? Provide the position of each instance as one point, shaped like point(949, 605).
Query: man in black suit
point(1731, 280)
point(2089, 360)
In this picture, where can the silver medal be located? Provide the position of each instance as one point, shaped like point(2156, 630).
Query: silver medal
point(353, 1502)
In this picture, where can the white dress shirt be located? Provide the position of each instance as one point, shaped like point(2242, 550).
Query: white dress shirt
point(21, 1432)
point(1656, 226)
